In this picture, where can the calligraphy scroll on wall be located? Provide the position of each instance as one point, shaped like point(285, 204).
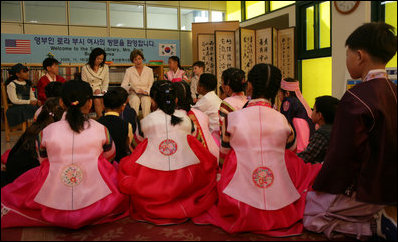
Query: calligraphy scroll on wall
point(267, 46)
point(237, 48)
point(225, 53)
point(247, 49)
point(206, 52)
point(286, 58)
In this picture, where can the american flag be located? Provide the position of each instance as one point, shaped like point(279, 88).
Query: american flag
point(17, 46)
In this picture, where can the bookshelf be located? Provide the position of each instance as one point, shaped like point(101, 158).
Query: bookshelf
point(116, 72)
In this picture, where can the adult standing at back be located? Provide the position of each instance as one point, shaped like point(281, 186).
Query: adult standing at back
point(96, 73)
point(138, 81)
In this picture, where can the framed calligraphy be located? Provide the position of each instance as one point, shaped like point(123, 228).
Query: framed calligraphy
point(206, 52)
point(286, 53)
point(247, 49)
point(225, 53)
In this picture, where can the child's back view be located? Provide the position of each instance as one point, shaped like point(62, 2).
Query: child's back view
point(170, 176)
point(262, 187)
point(297, 112)
point(121, 131)
point(75, 184)
point(359, 175)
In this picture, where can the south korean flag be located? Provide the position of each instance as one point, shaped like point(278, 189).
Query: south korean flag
point(167, 49)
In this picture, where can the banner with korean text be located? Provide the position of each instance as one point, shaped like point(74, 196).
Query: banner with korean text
point(28, 48)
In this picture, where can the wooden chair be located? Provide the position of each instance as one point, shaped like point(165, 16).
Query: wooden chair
point(9, 130)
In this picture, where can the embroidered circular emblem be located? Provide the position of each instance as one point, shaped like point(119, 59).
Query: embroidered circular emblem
point(4, 211)
point(286, 106)
point(263, 177)
point(72, 175)
point(168, 147)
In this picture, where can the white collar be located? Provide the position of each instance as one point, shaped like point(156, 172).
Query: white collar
point(49, 78)
point(377, 70)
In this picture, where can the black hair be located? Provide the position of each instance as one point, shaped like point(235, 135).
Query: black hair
point(77, 76)
point(200, 64)
point(50, 112)
point(326, 105)
point(377, 39)
point(291, 93)
point(221, 90)
point(17, 68)
point(175, 58)
point(75, 94)
point(208, 81)
point(53, 89)
point(49, 62)
point(115, 98)
point(235, 79)
point(163, 93)
point(266, 80)
point(183, 93)
point(93, 55)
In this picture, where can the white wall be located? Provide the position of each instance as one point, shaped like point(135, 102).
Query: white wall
point(342, 27)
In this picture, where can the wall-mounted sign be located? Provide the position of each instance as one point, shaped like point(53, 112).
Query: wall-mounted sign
point(28, 48)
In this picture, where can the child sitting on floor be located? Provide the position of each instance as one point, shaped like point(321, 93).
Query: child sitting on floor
point(51, 66)
point(263, 186)
point(210, 102)
point(297, 112)
point(115, 100)
point(23, 156)
point(53, 89)
point(323, 115)
point(234, 85)
point(198, 69)
point(358, 178)
point(200, 119)
point(75, 185)
point(20, 93)
point(170, 176)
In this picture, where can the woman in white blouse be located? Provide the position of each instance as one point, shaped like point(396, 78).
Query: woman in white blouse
point(96, 73)
point(138, 81)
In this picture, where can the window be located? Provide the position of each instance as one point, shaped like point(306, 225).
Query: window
point(189, 16)
point(126, 15)
point(316, 78)
point(53, 12)
point(87, 13)
point(254, 8)
point(217, 16)
point(324, 25)
point(391, 18)
point(314, 50)
point(313, 29)
point(234, 11)
point(274, 5)
point(11, 11)
point(309, 14)
point(162, 18)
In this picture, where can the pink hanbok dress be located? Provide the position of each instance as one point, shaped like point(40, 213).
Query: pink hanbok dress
point(74, 186)
point(170, 176)
point(203, 133)
point(263, 186)
point(228, 105)
point(177, 76)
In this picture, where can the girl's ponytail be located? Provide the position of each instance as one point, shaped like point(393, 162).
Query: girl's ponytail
point(164, 95)
point(75, 94)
